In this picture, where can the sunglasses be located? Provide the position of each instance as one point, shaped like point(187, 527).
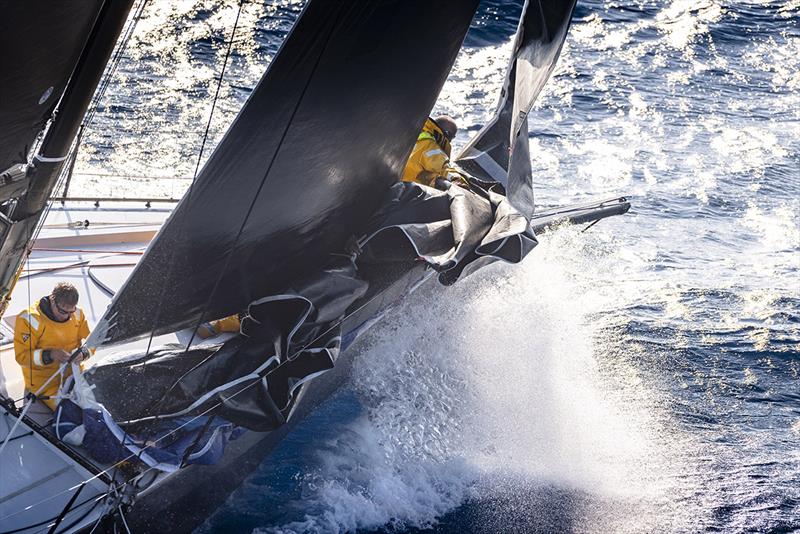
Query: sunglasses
point(61, 310)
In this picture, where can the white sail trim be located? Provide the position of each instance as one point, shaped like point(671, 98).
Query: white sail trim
point(275, 298)
point(32, 321)
point(199, 402)
point(47, 159)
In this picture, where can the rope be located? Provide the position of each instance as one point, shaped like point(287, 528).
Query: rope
point(63, 175)
point(66, 509)
point(249, 212)
point(67, 527)
point(222, 271)
point(111, 68)
point(28, 406)
point(590, 225)
point(124, 522)
point(85, 263)
point(89, 251)
point(263, 182)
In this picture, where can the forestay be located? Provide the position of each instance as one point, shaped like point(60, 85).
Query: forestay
point(500, 150)
point(324, 134)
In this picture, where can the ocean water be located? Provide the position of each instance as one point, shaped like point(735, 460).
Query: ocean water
point(643, 376)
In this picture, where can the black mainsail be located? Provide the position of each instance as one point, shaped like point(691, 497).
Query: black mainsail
point(39, 47)
point(50, 79)
point(324, 134)
point(500, 151)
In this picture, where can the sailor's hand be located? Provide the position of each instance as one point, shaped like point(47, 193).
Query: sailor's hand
point(458, 179)
point(60, 356)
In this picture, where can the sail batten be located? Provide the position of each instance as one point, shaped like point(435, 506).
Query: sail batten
point(324, 134)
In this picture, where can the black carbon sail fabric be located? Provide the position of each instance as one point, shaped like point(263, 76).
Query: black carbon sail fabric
point(306, 162)
point(500, 151)
point(454, 231)
point(251, 379)
point(40, 42)
point(80, 43)
point(294, 336)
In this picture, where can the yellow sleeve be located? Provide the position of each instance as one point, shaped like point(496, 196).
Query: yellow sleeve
point(26, 343)
point(220, 326)
point(434, 161)
point(83, 329)
point(227, 324)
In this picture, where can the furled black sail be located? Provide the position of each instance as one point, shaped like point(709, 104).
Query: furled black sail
point(307, 161)
point(40, 42)
point(500, 150)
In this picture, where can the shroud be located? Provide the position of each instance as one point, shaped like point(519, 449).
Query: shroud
point(40, 42)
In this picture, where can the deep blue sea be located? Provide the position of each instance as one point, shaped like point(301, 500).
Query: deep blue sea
point(643, 376)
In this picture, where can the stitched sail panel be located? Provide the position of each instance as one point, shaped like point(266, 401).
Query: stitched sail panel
point(500, 150)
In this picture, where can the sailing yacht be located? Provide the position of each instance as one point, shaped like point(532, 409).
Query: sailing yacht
point(296, 221)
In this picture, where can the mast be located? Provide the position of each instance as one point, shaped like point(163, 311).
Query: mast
point(73, 106)
point(37, 180)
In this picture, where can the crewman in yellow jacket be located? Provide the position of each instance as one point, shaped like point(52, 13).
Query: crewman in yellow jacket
point(430, 158)
point(45, 335)
point(232, 323)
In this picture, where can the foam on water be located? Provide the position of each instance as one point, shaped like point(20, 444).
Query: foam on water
point(489, 388)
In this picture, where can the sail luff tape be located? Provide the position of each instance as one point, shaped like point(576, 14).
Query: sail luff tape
point(45, 159)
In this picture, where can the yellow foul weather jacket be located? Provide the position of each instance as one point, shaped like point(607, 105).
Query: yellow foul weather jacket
point(34, 333)
point(430, 158)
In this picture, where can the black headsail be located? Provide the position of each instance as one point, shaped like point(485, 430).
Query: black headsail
point(53, 56)
point(324, 134)
point(500, 150)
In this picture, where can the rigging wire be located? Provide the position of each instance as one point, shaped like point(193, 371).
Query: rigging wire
point(64, 177)
point(153, 443)
point(66, 171)
point(249, 212)
point(111, 68)
point(150, 444)
point(188, 195)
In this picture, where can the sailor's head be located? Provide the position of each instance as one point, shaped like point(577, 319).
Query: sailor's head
point(448, 126)
point(63, 300)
